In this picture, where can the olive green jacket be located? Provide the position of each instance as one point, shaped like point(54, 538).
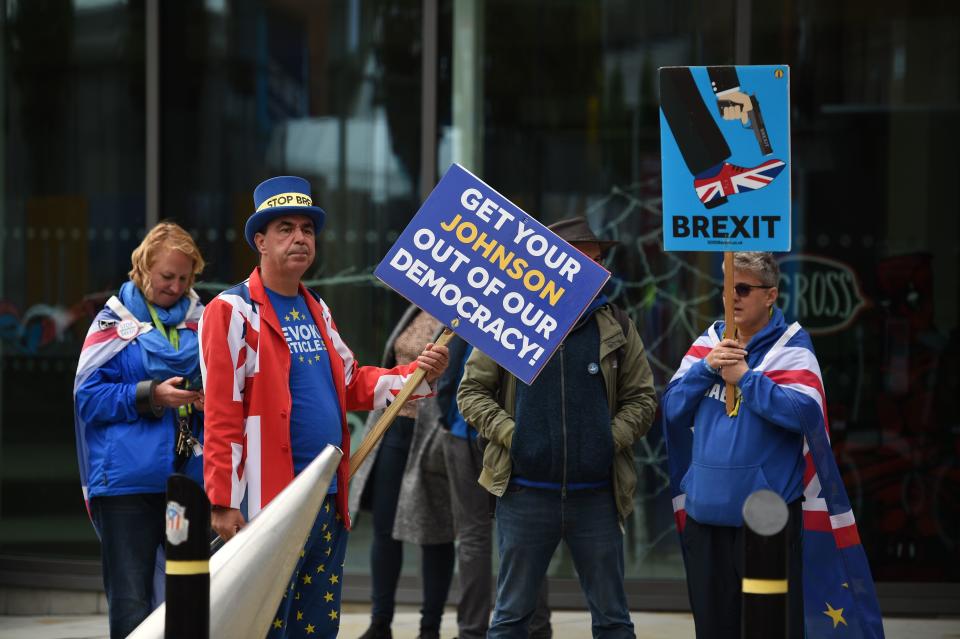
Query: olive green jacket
point(630, 394)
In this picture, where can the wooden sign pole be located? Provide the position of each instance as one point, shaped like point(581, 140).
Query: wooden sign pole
point(729, 327)
point(390, 414)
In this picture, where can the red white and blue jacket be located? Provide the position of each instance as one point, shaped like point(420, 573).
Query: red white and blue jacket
point(245, 363)
point(777, 439)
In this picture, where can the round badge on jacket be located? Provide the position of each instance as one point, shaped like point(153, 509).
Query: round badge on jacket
point(128, 329)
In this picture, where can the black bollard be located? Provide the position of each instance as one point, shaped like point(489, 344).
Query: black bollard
point(188, 560)
point(765, 607)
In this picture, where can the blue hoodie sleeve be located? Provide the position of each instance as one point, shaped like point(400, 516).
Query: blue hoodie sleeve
point(681, 399)
point(105, 398)
point(782, 406)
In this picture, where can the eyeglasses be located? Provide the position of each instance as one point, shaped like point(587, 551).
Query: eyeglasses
point(743, 290)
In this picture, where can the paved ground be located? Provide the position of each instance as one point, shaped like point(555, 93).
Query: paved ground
point(567, 625)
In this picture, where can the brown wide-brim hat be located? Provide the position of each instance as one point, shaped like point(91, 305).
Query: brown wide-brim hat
point(576, 229)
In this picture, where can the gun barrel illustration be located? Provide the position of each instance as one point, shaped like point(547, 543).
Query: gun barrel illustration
point(756, 123)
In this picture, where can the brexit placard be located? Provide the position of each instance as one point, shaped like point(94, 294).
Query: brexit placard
point(496, 276)
point(725, 149)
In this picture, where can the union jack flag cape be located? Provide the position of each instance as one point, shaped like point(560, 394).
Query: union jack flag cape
point(102, 344)
point(838, 591)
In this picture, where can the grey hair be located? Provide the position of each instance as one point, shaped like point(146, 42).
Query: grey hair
point(760, 263)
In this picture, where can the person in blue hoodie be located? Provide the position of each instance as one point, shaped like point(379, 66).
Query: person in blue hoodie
point(136, 403)
point(559, 457)
point(758, 446)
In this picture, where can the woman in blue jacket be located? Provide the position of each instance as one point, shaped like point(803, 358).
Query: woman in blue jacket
point(136, 398)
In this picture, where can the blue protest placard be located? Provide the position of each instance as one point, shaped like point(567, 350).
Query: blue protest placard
point(725, 149)
point(496, 276)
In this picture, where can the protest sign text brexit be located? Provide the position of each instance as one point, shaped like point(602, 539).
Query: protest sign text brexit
point(725, 187)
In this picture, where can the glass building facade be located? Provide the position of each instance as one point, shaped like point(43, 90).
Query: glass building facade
point(119, 113)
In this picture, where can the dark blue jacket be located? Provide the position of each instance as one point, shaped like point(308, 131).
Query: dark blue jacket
point(563, 435)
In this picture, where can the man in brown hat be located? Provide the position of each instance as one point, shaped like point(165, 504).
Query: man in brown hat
point(560, 457)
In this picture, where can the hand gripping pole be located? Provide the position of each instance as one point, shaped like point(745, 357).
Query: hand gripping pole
point(390, 413)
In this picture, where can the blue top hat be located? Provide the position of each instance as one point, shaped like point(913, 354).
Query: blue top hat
point(278, 196)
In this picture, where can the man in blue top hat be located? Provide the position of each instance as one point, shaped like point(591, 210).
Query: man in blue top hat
point(278, 379)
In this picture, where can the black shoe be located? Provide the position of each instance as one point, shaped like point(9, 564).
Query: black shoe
point(429, 634)
point(377, 630)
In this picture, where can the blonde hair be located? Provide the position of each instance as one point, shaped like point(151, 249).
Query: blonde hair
point(164, 236)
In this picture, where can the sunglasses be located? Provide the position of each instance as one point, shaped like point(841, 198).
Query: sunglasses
point(743, 290)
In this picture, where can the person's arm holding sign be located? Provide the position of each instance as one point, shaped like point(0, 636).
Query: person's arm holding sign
point(724, 360)
point(730, 354)
point(369, 387)
point(433, 361)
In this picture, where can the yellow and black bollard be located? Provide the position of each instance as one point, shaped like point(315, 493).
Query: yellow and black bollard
point(765, 605)
point(188, 560)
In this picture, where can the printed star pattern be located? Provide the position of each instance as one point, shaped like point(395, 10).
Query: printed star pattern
point(313, 610)
point(835, 615)
point(292, 333)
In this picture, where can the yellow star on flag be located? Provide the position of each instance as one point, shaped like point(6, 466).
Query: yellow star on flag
point(334, 579)
point(295, 314)
point(286, 318)
point(277, 623)
point(835, 614)
point(303, 552)
point(321, 568)
point(328, 596)
point(310, 629)
point(328, 551)
point(307, 579)
point(297, 598)
point(327, 537)
point(326, 507)
point(310, 361)
point(316, 357)
point(324, 527)
point(333, 614)
point(338, 517)
point(299, 615)
point(301, 359)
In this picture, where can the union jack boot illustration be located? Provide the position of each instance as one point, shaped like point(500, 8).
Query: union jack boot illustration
point(714, 186)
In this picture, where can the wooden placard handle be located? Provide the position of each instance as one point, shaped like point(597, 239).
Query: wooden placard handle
point(390, 413)
point(729, 327)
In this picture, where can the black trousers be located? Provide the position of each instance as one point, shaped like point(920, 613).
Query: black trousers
point(698, 137)
point(713, 559)
point(386, 553)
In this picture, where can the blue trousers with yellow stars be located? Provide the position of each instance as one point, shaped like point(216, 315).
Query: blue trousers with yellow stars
point(310, 608)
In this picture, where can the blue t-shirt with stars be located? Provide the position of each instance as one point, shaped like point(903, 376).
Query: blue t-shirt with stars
point(315, 415)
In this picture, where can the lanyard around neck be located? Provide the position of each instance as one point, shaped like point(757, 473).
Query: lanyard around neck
point(173, 336)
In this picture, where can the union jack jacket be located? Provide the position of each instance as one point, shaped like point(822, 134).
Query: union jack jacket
point(245, 363)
